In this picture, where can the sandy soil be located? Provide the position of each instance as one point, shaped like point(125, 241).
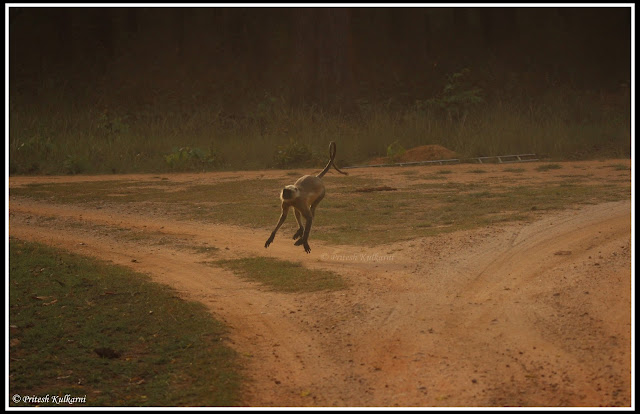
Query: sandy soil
point(534, 314)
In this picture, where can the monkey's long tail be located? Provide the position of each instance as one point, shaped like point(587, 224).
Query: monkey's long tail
point(332, 156)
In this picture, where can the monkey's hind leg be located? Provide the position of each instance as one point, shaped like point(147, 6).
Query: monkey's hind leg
point(315, 204)
point(300, 226)
point(307, 228)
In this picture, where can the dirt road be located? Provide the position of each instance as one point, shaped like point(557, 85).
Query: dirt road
point(533, 314)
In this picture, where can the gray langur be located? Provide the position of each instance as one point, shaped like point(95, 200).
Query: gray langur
point(304, 196)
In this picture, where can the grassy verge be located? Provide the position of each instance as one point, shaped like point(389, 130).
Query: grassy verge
point(430, 209)
point(435, 201)
point(283, 275)
point(121, 233)
point(67, 138)
point(548, 167)
point(87, 329)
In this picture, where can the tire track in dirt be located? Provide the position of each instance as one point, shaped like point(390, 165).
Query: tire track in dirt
point(261, 330)
point(533, 297)
point(464, 319)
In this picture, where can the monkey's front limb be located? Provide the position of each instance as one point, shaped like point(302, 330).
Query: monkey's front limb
point(270, 240)
point(283, 216)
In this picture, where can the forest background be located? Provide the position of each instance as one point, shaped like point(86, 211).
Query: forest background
point(127, 89)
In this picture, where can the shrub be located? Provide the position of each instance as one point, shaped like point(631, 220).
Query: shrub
point(187, 158)
point(457, 97)
point(395, 151)
point(293, 154)
point(74, 164)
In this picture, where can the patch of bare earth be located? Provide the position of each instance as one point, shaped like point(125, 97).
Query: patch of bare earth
point(533, 314)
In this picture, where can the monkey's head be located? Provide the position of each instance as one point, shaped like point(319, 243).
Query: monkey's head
point(289, 192)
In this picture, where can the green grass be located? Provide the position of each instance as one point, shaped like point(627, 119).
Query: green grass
point(206, 203)
point(548, 167)
point(436, 177)
point(64, 307)
point(619, 167)
point(151, 237)
point(59, 135)
point(284, 276)
point(383, 218)
point(346, 216)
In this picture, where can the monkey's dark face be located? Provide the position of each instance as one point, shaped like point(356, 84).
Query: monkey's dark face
point(289, 192)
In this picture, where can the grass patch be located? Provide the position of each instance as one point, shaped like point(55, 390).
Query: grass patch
point(435, 177)
point(619, 167)
point(283, 275)
point(157, 238)
point(61, 133)
point(548, 167)
point(478, 171)
point(429, 209)
point(221, 202)
point(209, 250)
point(514, 170)
point(345, 216)
point(65, 311)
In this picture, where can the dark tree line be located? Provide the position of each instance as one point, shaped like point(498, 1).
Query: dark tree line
point(322, 56)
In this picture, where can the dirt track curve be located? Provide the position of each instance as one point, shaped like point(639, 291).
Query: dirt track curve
point(533, 314)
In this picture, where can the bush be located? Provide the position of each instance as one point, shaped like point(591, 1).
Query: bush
point(292, 155)
point(74, 164)
point(395, 151)
point(457, 97)
point(187, 158)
